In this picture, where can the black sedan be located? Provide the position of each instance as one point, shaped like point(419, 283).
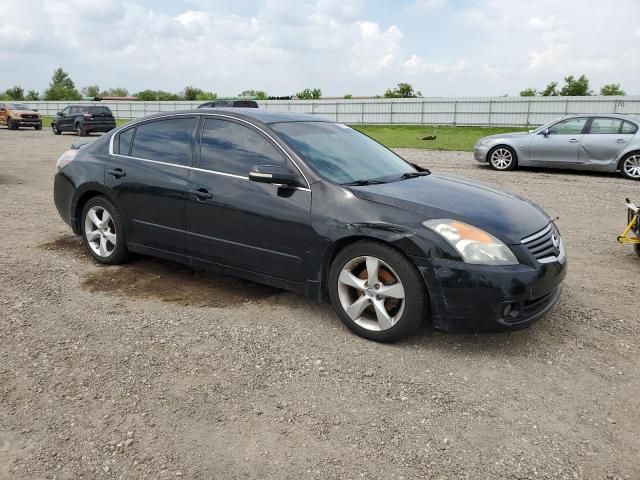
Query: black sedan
point(319, 208)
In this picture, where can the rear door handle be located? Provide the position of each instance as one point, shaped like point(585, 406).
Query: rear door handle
point(573, 140)
point(621, 140)
point(116, 172)
point(201, 193)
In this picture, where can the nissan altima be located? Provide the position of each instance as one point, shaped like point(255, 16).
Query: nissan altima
point(606, 143)
point(314, 207)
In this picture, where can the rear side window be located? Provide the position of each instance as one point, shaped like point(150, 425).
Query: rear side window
point(124, 141)
point(629, 128)
point(232, 148)
point(604, 126)
point(99, 110)
point(165, 140)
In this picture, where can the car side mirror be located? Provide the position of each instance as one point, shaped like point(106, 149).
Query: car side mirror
point(273, 174)
point(60, 114)
point(545, 132)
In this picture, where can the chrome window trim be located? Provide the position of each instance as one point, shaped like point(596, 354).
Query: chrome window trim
point(205, 114)
point(213, 172)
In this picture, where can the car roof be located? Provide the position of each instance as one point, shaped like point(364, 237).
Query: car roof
point(264, 116)
point(621, 116)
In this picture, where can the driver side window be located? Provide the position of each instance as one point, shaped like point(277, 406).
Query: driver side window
point(571, 126)
point(66, 111)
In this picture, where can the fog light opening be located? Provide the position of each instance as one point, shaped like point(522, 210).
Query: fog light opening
point(512, 311)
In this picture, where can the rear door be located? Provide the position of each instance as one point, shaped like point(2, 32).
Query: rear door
point(239, 223)
point(604, 140)
point(560, 148)
point(148, 174)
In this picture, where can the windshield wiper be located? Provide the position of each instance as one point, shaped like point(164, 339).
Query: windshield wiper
point(413, 175)
point(361, 183)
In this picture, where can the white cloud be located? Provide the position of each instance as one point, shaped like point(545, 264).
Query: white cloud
point(416, 64)
point(375, 49)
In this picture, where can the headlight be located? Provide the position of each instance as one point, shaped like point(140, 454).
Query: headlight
point(474, 245)
point(485, 142)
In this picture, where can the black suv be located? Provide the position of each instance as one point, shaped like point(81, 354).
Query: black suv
point(83, 119)
point(230, 103)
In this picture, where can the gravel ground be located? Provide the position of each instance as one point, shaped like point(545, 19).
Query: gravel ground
point(151, 370)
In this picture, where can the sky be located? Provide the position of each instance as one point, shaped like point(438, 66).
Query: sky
point(358, 47)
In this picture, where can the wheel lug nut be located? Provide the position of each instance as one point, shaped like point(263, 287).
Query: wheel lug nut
point(377, 286)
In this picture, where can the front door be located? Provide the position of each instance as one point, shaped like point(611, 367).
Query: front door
point(558, 145)
point(64, 121)
point(3, 114)
point(148, 175)
point(235, 222)
point(605, 138)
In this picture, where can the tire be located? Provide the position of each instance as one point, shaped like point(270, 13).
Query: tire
point(55, 129)
point(38, 127)
point(630, 166)
point(11, 125)
point(80, 131)
point(502, 158)
point(380, 317)
point(107, 244)
point(636, 247)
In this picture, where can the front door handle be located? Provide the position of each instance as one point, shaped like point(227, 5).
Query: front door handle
point(116, 172)
point(573, 140)
point(621, 140)
point(201, 193)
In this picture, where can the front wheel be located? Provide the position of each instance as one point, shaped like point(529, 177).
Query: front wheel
point(11, 125)
point(38, 127)
point(80, 131)
point(502, 158)
point(636, 247)
point(103, 231)
point(377, 292)
point(630, 166)
point(55, 129)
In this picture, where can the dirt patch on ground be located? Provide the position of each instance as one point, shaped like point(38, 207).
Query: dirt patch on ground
point(69, 243)
point(170, 282)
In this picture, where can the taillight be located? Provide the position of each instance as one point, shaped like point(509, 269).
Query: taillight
point(65, 158)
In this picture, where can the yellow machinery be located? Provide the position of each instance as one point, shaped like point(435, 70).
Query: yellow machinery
point(633, 226)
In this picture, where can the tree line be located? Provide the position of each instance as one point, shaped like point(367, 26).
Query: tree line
point(62, 87)
point(573, 87)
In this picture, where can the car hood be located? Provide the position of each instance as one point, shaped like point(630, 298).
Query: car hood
point(505, 215)
point(506, 135)
point(20, 112)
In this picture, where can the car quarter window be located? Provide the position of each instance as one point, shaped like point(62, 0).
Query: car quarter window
point(166, 140)
point(570, 126)
point(629, 128)
point(232, 148)
point(602, 126)
point(124, 141)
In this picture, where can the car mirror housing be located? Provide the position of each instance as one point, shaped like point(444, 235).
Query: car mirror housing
point(60, 114)
point(545, 132)
point(273, 174)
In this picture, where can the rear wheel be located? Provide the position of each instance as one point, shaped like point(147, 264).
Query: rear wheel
point(630, 166)
point(377, 292)
point(502, 158)
point(103, 231)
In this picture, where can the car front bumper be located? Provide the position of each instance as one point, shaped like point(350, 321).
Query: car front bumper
point(28, 122)
point(467, 297)
point(480, 153)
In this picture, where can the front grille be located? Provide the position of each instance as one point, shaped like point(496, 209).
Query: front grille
point(29, 116)
point(544, 244)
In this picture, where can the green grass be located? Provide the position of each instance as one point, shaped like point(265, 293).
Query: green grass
point(448, 138)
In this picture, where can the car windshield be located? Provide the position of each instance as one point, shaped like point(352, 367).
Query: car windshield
point(341, 154)
point(17, 106)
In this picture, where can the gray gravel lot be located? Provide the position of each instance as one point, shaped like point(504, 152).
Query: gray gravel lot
point(151, 370)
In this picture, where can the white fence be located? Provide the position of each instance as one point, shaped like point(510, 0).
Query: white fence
point(486, 111)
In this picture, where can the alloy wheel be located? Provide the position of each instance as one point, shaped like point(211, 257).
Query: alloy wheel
point(371, 293)
point(631, 166)
point(100, 231)
point(501, 158)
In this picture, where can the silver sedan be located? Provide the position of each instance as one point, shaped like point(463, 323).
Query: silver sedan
point(607, 143)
